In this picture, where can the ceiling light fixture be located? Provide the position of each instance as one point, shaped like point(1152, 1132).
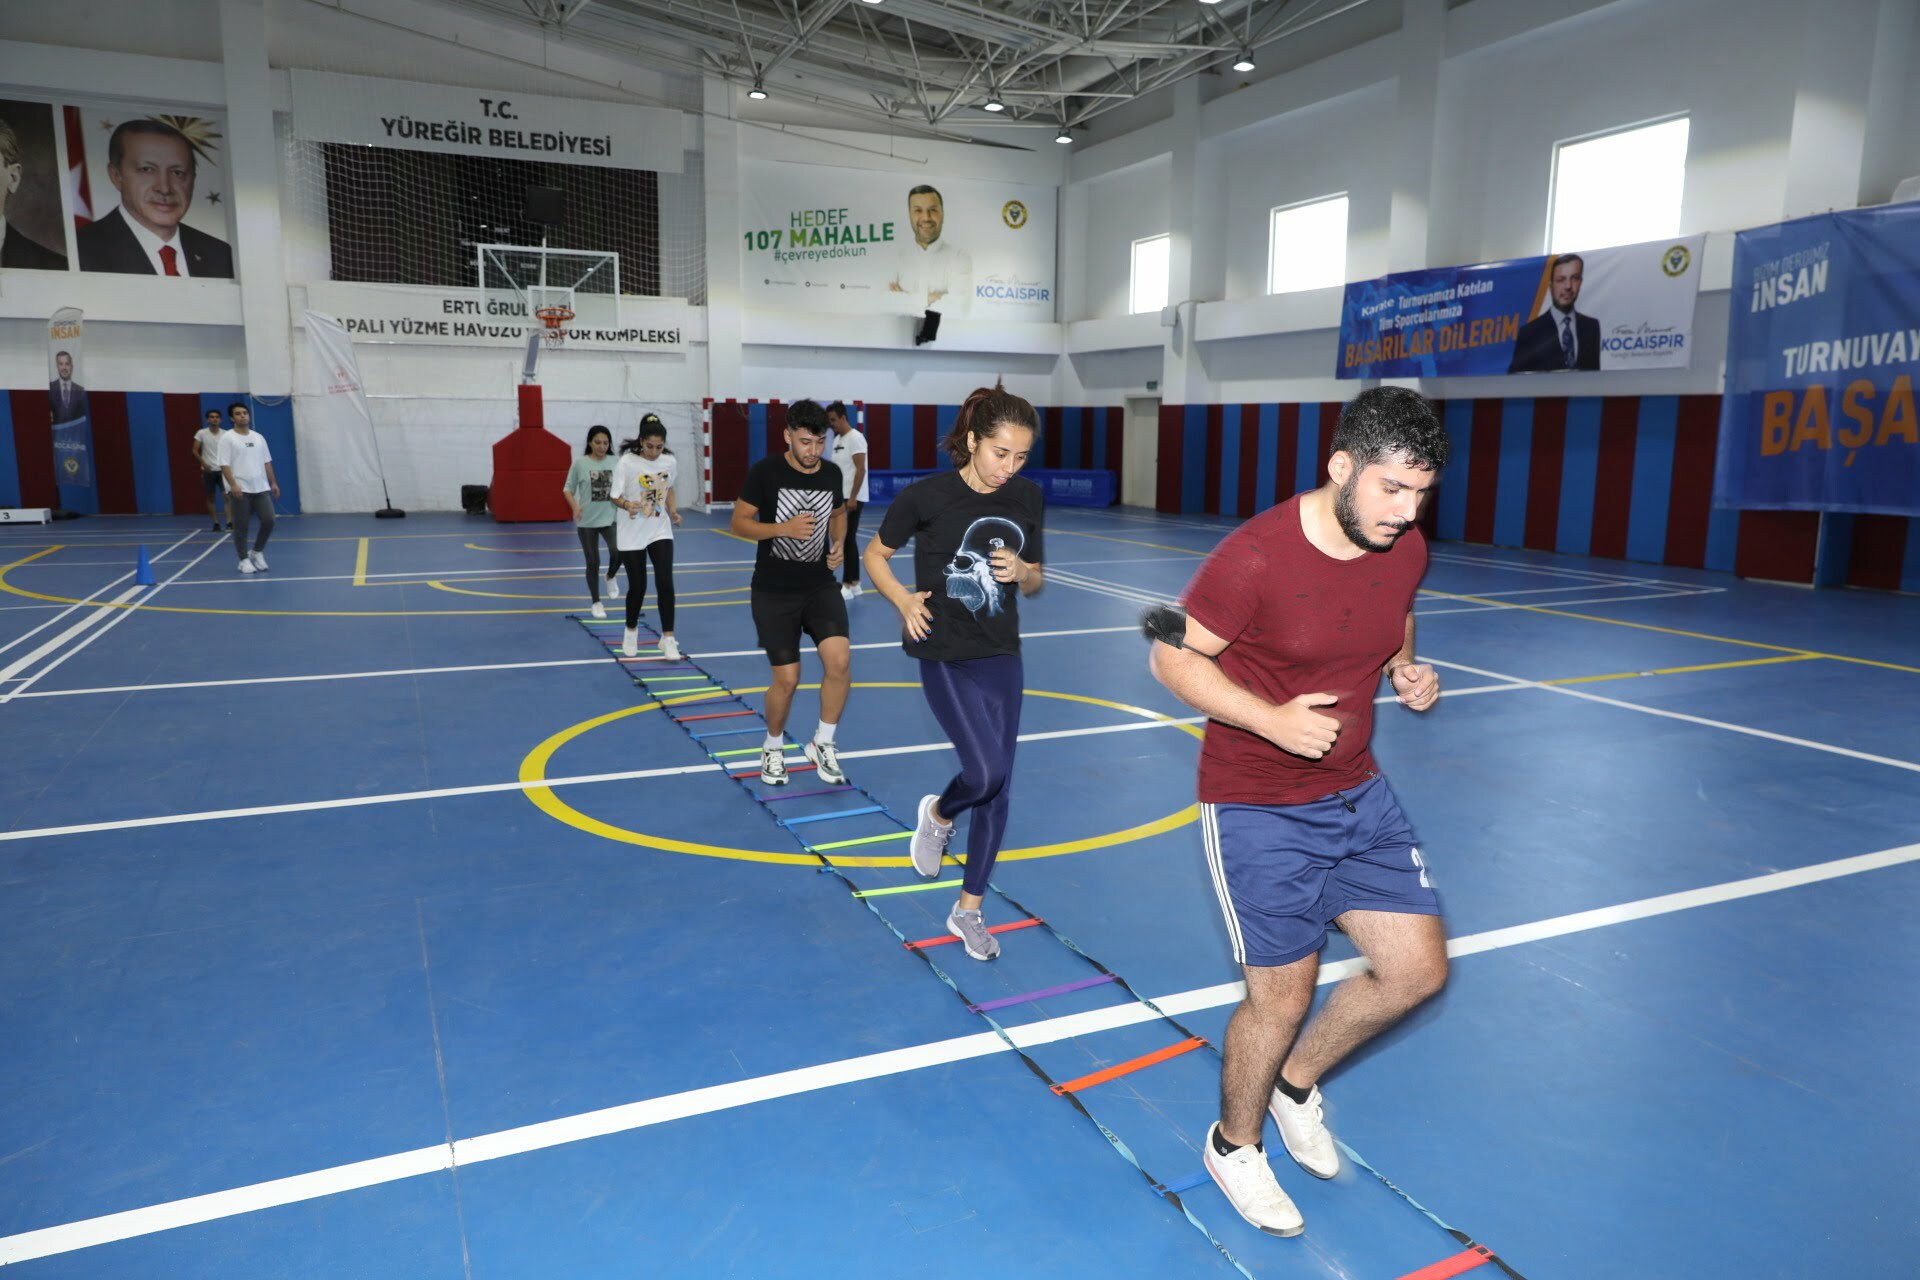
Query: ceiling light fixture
point(1245, 61)
point(1063, 136)
point(758, 93)
point(994, 104)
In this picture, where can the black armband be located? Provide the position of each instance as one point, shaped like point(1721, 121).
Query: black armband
point(1166, 623)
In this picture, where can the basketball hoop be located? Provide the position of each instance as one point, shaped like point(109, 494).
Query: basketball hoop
point(556, 319)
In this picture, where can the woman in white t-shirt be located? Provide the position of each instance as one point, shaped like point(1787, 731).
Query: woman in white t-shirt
point(643, 491)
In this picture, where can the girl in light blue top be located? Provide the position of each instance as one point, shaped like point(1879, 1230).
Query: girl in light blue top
point(589, 492)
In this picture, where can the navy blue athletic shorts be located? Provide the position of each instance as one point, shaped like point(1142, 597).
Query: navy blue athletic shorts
point(1285, 872)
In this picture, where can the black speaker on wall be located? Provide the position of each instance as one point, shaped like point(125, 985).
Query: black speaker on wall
point(929, 329)
point(545, 205)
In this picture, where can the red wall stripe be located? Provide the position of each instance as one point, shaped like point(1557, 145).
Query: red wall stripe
point(33, 447)
point(1879, 550)
point(1777, 545)
point(1050, 436)
point(1483, 469)
point(1696, 439)
point(1249, 459)
point(1210, 495)
point(1329, 419)
point(729, 448)
point(1286, 453)
point(112, 453)
point(1546, 461)
point(1613, 489)
point(182, 414)
point(926, 436)
point(879, 431)
point(1166, 494)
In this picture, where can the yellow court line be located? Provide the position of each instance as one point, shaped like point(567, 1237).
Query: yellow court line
point(728, 533)
point(1676, 671)
point(360, 565)
point(1132, 542)
point(533, 771)
point(440, 585)
point(1675, 631)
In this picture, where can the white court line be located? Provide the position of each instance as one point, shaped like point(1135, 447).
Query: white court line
point(493, 666)
point(487, 788)
point(1664, 714)
point(422, 574)
point(1563, 604)
point(319, 1183)
point(81, 604)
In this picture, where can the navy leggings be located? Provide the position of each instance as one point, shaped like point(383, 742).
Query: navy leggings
point(977, 703)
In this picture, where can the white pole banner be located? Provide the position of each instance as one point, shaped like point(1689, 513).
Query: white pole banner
point(335, 429)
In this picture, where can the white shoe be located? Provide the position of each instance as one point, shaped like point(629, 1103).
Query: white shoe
point(246, 566)
point(1252, 1189)
point(631, 639)
point(773, 766)
point(971, 928)
point(599, 610)
point(259, 561)
point(612, 589)
point(850, 591)
point(826, 759)
point(1303, 1129)
point(669, 648)
point(930, 838)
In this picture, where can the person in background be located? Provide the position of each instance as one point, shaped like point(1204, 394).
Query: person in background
point(206, 452)
point(643, 490)
point(850, 455)
point(589, 491)
point(247, 464)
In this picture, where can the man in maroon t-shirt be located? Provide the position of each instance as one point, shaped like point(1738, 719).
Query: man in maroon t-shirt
point(1288, 627)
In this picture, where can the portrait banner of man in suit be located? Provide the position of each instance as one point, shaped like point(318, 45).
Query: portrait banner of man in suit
point(1561, 338)
point(67, 405)
point(32, 231)
point(149, 197)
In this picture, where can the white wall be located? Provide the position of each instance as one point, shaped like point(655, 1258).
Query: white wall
point(1121, 208)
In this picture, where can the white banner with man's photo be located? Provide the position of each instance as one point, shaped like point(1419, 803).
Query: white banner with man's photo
point(860, 242)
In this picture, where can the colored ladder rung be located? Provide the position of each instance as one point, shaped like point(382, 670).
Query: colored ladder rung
point(909, 888)
point(1187, 1183)
point(1131, 1065)
point(713, 715)
point(1478, 1255)
point(740, 751)
point(698, 702)
point(793, 766)
point(848, 844)
point(945, 938)
point(829, 817)
point(721, 733)
point(1043, 993)
point(801, 795)
point(650, 679)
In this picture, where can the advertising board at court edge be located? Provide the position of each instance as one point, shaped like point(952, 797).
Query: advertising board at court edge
point(864, 242)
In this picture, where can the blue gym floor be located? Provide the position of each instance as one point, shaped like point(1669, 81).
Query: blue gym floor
point(363, 918)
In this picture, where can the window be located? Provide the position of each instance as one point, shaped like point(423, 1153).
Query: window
point(1150, 267)
point(1307, 245)
point(1618, 188)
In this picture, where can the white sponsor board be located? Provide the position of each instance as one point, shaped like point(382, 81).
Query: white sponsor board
point(471, 317)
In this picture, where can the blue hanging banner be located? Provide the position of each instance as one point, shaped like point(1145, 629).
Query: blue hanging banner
point(1822, 354)
point(67, 402)
point(1602, 310)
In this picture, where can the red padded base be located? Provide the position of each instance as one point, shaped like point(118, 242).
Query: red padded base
point(530, 467)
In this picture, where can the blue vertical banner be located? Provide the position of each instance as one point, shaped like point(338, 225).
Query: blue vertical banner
point(67, 402)
point(1822, 355)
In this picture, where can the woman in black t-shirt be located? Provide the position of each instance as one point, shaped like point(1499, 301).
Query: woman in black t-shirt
point(976, 535)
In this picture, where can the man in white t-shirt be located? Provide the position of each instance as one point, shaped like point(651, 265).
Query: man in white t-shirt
point(206, 452)
point(247, 465)
point(850, 455)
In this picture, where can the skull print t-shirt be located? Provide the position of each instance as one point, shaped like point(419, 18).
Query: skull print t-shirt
point(778, 493)
point(955, 532)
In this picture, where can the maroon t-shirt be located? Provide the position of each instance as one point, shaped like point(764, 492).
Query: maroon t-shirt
point(1297, 621)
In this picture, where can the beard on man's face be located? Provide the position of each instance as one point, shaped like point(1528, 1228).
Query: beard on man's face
point(1347, 512)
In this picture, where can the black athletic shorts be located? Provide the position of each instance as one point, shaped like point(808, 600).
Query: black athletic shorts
point(780, 617)
point(214, 482)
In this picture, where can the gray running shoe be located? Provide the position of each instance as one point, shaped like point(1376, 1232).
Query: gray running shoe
point(826, 759)
point(773, 766)
point(971, 928)
point(930, 838)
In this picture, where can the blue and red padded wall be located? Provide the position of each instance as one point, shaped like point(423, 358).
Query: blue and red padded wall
point(142, 450)
point(1619, 477)
point(906, 437)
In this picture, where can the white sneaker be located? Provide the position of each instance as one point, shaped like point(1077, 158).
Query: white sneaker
point(773, 766)
point(930, 838)
point(631, 639)
point(850, 591)
point(669, 648)
point(826, 759)
point(971, 928)
point(246, 566)
point(259, 561)
point(599, 610)
point(1252, 1189)
point(612, 589)
point(1303, 1129)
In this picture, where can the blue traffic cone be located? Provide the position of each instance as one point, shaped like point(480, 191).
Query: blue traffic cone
point(143, 572)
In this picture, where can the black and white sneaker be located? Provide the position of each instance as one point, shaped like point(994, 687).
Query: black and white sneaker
point(773, 766)
point(826, 759)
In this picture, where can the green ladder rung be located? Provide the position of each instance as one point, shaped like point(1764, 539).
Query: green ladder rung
point(848, 844)
point(910, 888)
